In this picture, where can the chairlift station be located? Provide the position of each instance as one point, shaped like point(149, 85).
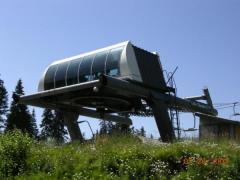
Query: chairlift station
point(113, 84)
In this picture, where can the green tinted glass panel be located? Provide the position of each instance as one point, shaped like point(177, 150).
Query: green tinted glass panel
point(98, 67)
point(85, 69)
point(49, 77)
point(72, 72)
point(112, 64)
point(61, 75)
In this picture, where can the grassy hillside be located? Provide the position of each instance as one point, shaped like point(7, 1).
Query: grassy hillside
point(118, 157)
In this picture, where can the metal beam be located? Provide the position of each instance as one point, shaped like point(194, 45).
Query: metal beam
point(185, 104)
point(107, 117)
point(60, 91)
point(208, 97)
point(159, 100)
point(195, 98)
point(82, 111)
point(160, 112)
point(172, 101)
point(70, 120)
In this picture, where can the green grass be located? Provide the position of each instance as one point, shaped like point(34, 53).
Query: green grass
point(117, 157)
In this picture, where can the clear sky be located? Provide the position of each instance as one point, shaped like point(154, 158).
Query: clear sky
point(202, 37)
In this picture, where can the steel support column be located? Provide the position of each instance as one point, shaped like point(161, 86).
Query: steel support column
point(70, 120)
point(160, 112)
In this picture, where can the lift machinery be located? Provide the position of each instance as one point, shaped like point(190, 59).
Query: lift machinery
point(113, 83)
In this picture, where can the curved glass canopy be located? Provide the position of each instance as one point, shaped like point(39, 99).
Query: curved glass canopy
point(83, 69)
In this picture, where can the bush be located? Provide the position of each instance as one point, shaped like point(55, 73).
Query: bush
point(14, 148)
point(115, 157)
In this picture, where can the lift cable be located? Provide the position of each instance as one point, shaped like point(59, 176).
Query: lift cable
point(225, 104)
point(229, 105)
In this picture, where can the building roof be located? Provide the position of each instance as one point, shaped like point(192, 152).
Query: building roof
point(217, 119)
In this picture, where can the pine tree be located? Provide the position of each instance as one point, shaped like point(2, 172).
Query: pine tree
point(53, 126)
point(122, 128)
point(108, 127)
point(34, 124)
point(3, 104)
point(142, 132)
point(97, 133)
point(103, 127)
point(46, 125)
point(59, 132)
point(115, 128)
point(19, 116)
point(132, 130)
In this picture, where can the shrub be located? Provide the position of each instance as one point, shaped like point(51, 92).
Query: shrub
point(115, 157)
point(14, 148)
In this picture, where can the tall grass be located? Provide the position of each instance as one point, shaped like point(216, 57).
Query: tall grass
point(117, 157)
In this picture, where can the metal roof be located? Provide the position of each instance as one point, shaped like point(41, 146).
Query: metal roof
point(217, 119)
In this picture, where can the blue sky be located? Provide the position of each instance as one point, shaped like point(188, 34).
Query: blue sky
point(201, 37)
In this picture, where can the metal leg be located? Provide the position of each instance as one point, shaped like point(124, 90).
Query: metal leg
point(160, 112)
point(70, 120)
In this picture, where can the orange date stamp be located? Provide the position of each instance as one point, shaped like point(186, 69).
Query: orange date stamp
point(205, 161)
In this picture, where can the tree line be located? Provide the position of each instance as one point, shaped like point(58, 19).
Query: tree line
point(18, 116)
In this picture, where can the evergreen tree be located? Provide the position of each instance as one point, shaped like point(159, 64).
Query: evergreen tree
point(3, 104)
point(103, 127)
point(122, 128)
point(53, 126)
point(142, 132)
point(97, 133)
point(46, 125)
point(108, 127)
point(132, 130)
point(59, 131)
point(34, 124)
point(19, 116)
